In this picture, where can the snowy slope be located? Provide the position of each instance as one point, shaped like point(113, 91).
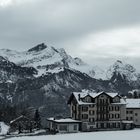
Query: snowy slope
point(47, 59)
point(112, 135)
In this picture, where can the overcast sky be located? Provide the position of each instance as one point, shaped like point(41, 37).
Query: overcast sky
point(98, 31)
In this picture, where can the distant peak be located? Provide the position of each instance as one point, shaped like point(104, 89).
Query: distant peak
point(37, 48)
point(119, 64)
point(79, 61)
point(118, 61)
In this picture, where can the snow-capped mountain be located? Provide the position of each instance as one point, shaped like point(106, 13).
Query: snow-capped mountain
point(122, 70)
point(48, 59)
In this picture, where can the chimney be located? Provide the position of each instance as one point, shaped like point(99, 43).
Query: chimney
point(125, 98)
point(79, 97)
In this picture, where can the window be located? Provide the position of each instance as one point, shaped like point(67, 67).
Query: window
point(136, 114)
point(118, 115)
point(84, 108)
point(107, 101)
point(112, 115)
point(116, 99)
point(108, 125)
point(91, 119)
point(118, 125)
point(114, 125)
point(87, 99)
point(84, 116)
point(75, 127)
point(126, 118)
point(131, 112)
point(131, 118)
point(91, 105)
point(63, 127)
point(112, 108)
point(73, 108)
point(117, 108)
point(91, 112)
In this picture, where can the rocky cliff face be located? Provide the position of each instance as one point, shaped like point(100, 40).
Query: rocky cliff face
point(12, 72)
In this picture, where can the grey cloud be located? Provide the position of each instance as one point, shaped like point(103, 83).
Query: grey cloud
point(60, 22)
point(57, 21)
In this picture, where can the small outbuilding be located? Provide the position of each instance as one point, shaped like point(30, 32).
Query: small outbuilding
point(22, 124)
point(66, 125)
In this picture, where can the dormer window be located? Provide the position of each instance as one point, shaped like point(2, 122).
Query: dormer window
point(116, 99)
point(87, 99)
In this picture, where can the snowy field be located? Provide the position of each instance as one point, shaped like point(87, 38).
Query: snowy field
point(3, 128)
point(106, 135)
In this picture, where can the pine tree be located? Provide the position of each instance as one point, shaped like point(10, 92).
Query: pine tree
point(37, 119)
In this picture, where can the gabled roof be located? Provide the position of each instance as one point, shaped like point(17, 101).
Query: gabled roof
point(76, 96)
point(19, 118)
point(92, 94)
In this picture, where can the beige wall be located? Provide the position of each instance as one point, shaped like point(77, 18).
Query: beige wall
point(113, 113)
point(133, 115)
point(123, 112)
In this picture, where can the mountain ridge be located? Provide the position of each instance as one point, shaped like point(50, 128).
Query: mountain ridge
point(46, 59)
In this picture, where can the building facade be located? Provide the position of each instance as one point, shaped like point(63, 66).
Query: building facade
point(99, 111)
point(133, 111)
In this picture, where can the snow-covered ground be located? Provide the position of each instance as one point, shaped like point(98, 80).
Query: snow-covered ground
point(3, 128)
point(106, 135)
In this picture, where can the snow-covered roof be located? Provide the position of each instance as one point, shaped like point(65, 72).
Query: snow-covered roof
point(111, 94)
point(92, 94)
point(64, 120)
point(20, 117)
point(80, 102)
point(127, 122)
point(132, 103)
point(122, 102)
